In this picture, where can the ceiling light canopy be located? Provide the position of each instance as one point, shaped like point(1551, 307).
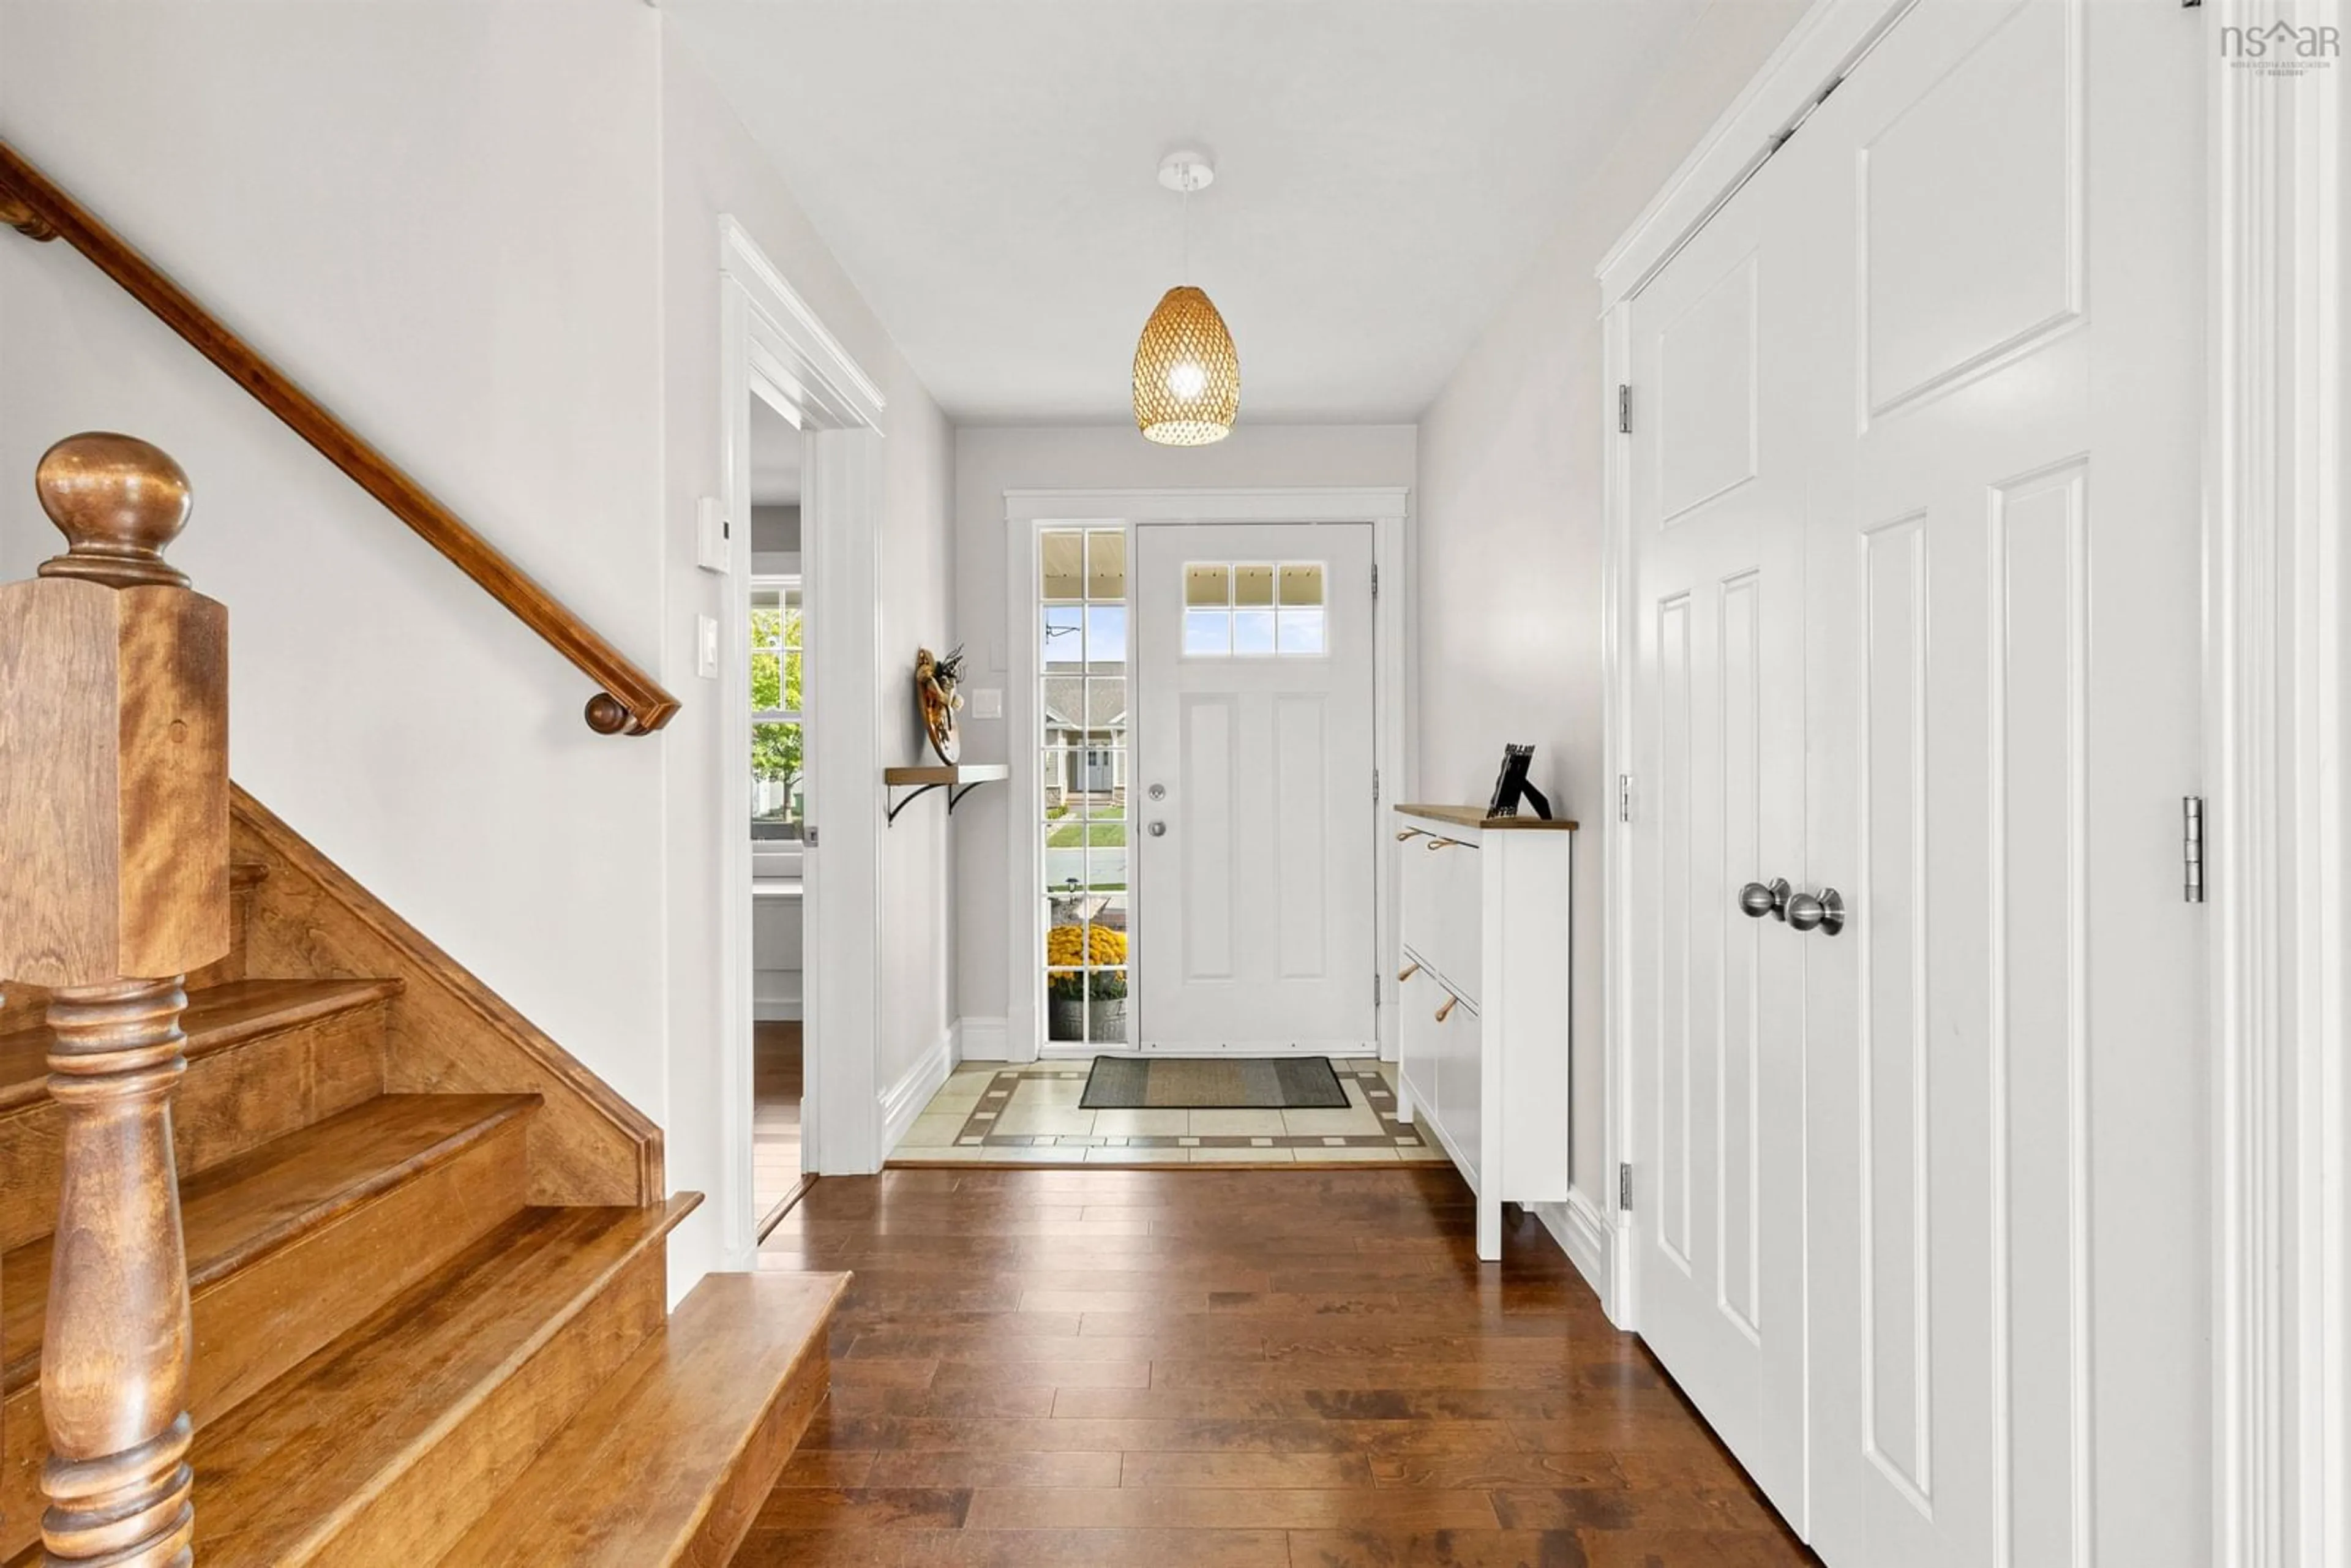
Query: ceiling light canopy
point(1187, 377)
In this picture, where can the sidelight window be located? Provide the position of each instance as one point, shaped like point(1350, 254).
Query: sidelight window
point(1082, 783)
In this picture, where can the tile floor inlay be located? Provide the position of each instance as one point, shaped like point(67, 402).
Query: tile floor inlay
point(1015, 1114)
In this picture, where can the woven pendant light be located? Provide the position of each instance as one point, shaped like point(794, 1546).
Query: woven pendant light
point(1187, 377)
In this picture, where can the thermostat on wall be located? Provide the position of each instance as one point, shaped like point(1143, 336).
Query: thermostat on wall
point(711, 547)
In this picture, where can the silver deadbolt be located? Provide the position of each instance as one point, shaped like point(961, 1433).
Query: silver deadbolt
point(1758, 899)
point(1828, 911)
point(1158, 791)
point(1158, 830)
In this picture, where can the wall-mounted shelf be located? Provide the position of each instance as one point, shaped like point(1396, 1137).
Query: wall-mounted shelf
point(957, 780)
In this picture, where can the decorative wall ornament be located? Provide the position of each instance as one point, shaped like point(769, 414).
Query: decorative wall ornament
point(936, 680)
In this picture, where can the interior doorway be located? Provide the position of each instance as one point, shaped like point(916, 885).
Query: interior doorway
point(777, 618)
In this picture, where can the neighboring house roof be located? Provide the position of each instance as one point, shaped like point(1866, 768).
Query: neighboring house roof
point(1073, 702)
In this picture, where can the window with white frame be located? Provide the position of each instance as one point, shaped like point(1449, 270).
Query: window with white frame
point(1254, 609)
point(778, 770)
point(1082, 699)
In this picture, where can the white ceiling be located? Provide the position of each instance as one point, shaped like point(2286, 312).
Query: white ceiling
point(986, 171)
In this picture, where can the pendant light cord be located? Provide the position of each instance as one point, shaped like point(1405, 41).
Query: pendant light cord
point(1187, 232)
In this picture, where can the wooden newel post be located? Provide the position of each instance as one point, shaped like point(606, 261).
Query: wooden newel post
point(114, 860)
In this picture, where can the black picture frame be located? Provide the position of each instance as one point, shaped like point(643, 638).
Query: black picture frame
point(1511, 785)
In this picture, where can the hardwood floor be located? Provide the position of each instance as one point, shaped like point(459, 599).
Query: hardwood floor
point(1052, 1368)
point(777, 1072)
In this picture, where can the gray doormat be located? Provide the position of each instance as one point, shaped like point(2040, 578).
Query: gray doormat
point(1191, 1083)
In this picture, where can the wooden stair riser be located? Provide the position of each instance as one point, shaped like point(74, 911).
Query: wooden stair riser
point(257, 1321)
point(422, 1510)
point(229, 1102)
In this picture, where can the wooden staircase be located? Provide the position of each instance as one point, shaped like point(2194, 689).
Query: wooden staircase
point(425, 1273)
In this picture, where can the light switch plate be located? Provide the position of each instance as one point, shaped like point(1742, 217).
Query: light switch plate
point(987, 702)
point(705, 647)
point(712, 549)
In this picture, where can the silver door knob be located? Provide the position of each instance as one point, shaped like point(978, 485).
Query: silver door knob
point(1159, 792)
point(1158, 830)
point(1758, 899)
point(1827, 911)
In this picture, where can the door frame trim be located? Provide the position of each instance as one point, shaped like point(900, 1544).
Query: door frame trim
point(774, 346)
point(1029, 512)
point(2275, 696)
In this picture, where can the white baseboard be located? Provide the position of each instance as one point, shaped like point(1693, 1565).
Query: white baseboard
point(982, 1039)
point(1589, 1239)
point(776, 1012)
point(904, 1101)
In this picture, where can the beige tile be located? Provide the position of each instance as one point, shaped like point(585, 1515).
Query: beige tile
point(1322, 1124)
point(1355, 1156)
point(932, 1130)
point(1241, 1123)
point(1142, 1124)
point(1028, 1120)
point(1134, 1157)
point(1230, 1156)
point(1059, 1092)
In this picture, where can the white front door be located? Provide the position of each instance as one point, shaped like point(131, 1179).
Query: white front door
point(1722, 372)
point(2008, 1110)
point(1252, 787)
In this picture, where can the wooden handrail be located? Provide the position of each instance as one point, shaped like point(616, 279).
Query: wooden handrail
point(628, 702)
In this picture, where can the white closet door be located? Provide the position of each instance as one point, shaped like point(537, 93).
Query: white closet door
point(2007, 1114)
point(1720, 372)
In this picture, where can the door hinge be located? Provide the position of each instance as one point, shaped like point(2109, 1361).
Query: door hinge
point(1375, 786)
point(1375, 580)
point(1625, 1186)
point(1378, 996)
point(1624, 797)
point(2191, 847)
point(1624, 409)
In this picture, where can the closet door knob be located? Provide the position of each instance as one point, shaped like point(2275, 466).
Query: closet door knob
point(1758, 899)
point(1826, 912)
point(1406, 973)
point(1446, 1008)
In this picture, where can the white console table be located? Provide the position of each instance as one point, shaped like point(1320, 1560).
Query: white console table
point(1487, 904)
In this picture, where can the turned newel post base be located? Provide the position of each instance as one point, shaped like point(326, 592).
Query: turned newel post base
point(114, 873)
point(114, 1361)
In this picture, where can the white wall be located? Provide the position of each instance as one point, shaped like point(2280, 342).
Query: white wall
point(485, 232)
point(1510, 509)
point(990, 461)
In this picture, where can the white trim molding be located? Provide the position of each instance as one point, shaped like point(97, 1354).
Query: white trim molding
point(2273, 821)
point(772, 347)
point(980, 1039)
point(905, 1100)
point(1388, 508)
point(1588, 1236)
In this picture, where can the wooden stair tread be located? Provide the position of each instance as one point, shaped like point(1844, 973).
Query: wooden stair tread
point(267, 1197)
point(218, 1017)
point(634, 1477)
point(276, 1476)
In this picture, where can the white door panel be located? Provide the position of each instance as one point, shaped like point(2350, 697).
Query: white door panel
point(2005, 1100)
point(1255, 859)
point(1719, 513)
